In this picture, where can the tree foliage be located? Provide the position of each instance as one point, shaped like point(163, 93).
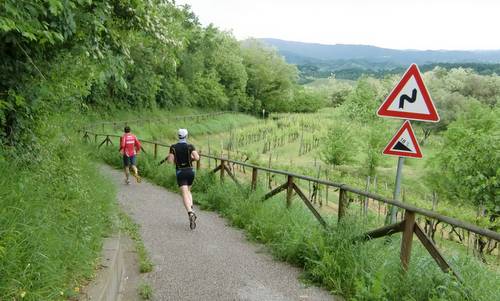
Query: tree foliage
point(127, 53)
point(362, 102)
point(467, 167)
point(270, 79)
point(376, 138)
point(338, 147)
point(307, 100)
point(451, 91)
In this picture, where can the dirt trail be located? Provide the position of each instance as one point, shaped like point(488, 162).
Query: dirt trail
point(214, 262)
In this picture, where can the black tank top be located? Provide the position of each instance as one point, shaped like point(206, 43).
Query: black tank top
point(182, 153)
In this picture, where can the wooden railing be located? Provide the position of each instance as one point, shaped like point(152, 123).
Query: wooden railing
point(408, 226)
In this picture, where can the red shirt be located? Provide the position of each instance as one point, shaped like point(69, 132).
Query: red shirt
point(129, 145)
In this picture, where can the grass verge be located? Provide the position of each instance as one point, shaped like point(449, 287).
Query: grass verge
point(54, 212)
point(132, 229)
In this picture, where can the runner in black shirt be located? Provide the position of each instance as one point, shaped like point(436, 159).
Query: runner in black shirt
point(183, 154)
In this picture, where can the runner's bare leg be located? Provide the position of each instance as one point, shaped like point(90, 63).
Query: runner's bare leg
point(127, 173)
point(134, 168)
point(190, 197)
point(186, 197)
point(136, 173)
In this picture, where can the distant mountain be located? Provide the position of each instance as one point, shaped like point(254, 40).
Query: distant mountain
point(352, 61)
point(299, 52)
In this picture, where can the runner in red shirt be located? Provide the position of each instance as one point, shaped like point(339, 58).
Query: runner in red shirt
point(129, 148)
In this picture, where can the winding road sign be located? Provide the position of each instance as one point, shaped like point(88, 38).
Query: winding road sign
point(410, 99)
point(404, 143)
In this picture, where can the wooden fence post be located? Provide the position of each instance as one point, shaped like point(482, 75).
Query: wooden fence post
point(254, 178)
point(366, 200)
point(326, 196)
point(342, 203)
point(156, 151)
point(407, 239)
point(209, 160)
point(222, 170)
point(289, 191)
point(268, 173)
point(198, 164)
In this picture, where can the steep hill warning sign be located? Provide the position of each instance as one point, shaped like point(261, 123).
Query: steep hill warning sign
point(410, 99)
point(404, 143)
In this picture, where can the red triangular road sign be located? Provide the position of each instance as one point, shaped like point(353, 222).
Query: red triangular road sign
point(410, 99)
point(404, 143)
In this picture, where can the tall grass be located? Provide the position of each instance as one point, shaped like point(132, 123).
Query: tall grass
point(331, 258)
point(54, 210)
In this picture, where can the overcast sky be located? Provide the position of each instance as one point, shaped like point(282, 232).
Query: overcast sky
point(400, 24)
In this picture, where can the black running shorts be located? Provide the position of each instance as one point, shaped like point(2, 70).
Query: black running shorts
point(128, 161)
point(185, 176)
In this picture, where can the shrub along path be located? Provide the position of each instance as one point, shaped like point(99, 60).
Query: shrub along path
point(213, 262)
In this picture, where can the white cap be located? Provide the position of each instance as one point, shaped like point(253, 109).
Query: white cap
point(182, 133)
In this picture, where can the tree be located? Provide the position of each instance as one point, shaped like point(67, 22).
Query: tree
point(362, 102)
point(307, 100)
point(374, 145)
point(339, 92)
point(466, 170)
point(452, 89)
point(39, 38)
point(467, 167)
point(271, 81)
point(231, 71)
point(339, 147)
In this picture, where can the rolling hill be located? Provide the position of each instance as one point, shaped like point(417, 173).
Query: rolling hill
point(299, 52)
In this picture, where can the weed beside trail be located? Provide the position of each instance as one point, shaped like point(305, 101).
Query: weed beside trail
point(330, 258)
point(145, 291)
point(132, 230)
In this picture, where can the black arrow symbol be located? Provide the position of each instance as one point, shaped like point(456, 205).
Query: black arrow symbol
point(408, 98)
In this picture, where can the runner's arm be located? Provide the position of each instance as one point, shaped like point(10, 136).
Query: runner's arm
point(137, 145)
point(171, 157)
point(122, 145)
point(195, 156)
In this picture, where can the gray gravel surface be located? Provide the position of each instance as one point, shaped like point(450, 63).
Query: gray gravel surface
point(213, 262)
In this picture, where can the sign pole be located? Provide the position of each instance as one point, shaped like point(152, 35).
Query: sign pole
point(397, 188)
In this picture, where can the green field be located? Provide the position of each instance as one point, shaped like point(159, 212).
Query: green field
point(276, 141)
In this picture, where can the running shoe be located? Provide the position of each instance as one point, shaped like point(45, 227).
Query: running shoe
point(192, 220)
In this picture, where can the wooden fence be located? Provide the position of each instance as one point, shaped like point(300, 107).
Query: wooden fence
point(408, 225)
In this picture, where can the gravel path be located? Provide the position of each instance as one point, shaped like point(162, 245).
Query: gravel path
point(213, 262)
